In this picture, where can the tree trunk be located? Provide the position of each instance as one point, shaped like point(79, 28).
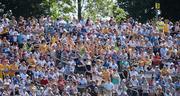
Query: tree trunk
point(79, 9)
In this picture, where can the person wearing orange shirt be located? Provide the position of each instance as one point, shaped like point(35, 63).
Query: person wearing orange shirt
point(1, 70)
point(6, 68)
point(70, 42)
point(105, 30)
point(31, 60)
point(43, 48)
point(106, 75)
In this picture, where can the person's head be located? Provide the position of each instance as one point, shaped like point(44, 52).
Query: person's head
point(133, 77)
point(4, 16)
point(159, 88)
point(177, 24)
point(109, 81)
point(157, 54)
point(157, 67)
point(60, 77)
point(16, 87)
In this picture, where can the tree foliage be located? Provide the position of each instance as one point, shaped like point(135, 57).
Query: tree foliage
point(98, 8)
point(86, 8)
point(119, 14)
point(59, 8)
point(64, 8)
point(139, 9)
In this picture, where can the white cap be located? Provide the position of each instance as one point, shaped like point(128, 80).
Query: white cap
point(16, 86)
point(6, 83)
point(124, 80)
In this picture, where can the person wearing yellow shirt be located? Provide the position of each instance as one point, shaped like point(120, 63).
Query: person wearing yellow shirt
point(105, 30)
point(43, 48)
point(13, 68)
point(164, 71)
point(166, 27)
point(31, 60)
point(141, 63)
point(54, 40)
point(1, 70)
point(6, 69)
point(5, 31)
point(160, 25)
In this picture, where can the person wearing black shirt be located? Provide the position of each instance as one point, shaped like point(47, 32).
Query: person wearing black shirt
point(93, 89)
point(80, 66)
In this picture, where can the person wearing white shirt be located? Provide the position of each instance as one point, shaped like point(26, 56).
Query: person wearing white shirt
point(133, 73)
point(168, 93)
point(50, 63)
point(12, 31)
point(23, 67)
point(132, 43)
point(41, 62)
point(72, 62)
point(23, 92)
point(113, 65)
point(46, 91)
point(172, 70)
point(5, 21)
point(36, 54)
point(1, 27)
point(134, 81)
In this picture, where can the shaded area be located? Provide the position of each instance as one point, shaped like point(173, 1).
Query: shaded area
point(170, 9)
point(144, 9)
point(23, 7)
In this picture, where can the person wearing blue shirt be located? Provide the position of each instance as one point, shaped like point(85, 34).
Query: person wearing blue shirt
point(20, 40)
point(82, 21)
point(106, 64)
point(16, 80)
point(177, 84)
point(163, 51)
point(83, 29)
point(109, 87)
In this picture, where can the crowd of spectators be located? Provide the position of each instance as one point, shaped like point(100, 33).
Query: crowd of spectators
point(46, 57)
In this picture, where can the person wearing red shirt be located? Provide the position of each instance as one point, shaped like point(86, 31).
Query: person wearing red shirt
point(61, 84)
point(156, 60)
point(44, 81)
